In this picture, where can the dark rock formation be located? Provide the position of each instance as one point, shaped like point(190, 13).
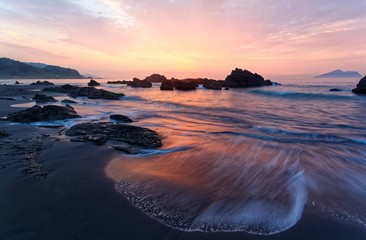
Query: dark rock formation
point(47, 113)
point(185, 86)
point(42, 83)
point(155, 78)
point(93, 83)
point(17, 83)
point(100, 133)
point(67, 88)
point(361, 87)
point(68, 101)
point(120, 118)
point(3, 134)
point(243, 78)
point(89, 92)
point(41, 98)
point(214, 85)
point(335, 90)
point(137, 83)
point(226, 88)
point(167, 85)
point(7, 98)
point(120, 82)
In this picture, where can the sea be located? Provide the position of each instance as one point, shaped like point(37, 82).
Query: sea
point(249, 160)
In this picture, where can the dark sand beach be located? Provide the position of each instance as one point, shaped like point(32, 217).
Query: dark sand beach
point(52, 188)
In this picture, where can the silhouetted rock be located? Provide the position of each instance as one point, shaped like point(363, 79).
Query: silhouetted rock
point(89, 92)
point(213, 85)
point(335, 90)
point(155, 78)
point(226, 88)
point(93, 93)
point(243, 78)
point(185, 86)
point(17, 83)
point(100, 133)
point(67, 88)
point(93, 83)
point(167, 85)
point(137, 83)
point(68, 101)
point(41, 98)
point(40, 83)
point(120, 118)
point(361, 87)
point(47, 113)
point(119, 82)
point(3, 133)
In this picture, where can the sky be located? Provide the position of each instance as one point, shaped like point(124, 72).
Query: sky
point(186, 38)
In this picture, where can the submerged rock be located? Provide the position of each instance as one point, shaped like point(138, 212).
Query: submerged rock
point(42, 83)
point(100, 133)
point(42, 98)
point(89, 92)
point(185, 85)
point(335, 90)
point(47, 113)
point(3, 134)
point(120, 118)
point(243, 78)
point(137, 83)
point(361, 87)
point(93, 83)
point(167, 85)
point(68, 101)
point(215, 85)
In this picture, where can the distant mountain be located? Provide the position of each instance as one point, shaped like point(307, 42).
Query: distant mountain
point(340, 74)
point(10, 68)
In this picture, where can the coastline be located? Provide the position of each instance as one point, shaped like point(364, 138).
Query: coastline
point(78, 201)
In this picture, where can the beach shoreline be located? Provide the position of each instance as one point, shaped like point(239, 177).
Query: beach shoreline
point(70, 197)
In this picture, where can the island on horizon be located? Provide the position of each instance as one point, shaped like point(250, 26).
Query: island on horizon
point(340, 74)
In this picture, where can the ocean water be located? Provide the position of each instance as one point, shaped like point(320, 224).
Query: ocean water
point(248, 160)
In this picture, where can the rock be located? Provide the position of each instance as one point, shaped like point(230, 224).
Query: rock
point(16, 82)
point(226, 88)
point(155, 78)
point(185, 86)
point(68, 101)
point(67, 88)
point(7, 98)
point(215, 85)
point(47, 113)
point(3, 134)
point(120, 118)
point(100, 133)
point(89, 92)
point(120, 82)
point(335, 90)
point(167, 85)
point(361, 87)
point(243, 78)
point(41, 98)
point(93, 93)
point(137, 83)
point(93, 83)
point(40, 83)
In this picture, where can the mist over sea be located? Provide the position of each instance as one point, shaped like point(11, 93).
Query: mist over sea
point(250, 160)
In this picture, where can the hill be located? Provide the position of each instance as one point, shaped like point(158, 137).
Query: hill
point(340, 74)
point(10, 68)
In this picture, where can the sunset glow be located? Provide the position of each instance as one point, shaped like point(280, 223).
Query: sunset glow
point(194, 38)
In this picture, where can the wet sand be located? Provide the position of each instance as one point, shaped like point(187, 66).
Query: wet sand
point(76, 200)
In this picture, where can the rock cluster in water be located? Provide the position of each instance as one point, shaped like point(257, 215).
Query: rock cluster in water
point(101, 132)
point(42, 83)
point(42, 98)
point(361, 87)
point(89, 92)
point(93, 83)
point(46, 113)
point(244, 78)
point(137, 83)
